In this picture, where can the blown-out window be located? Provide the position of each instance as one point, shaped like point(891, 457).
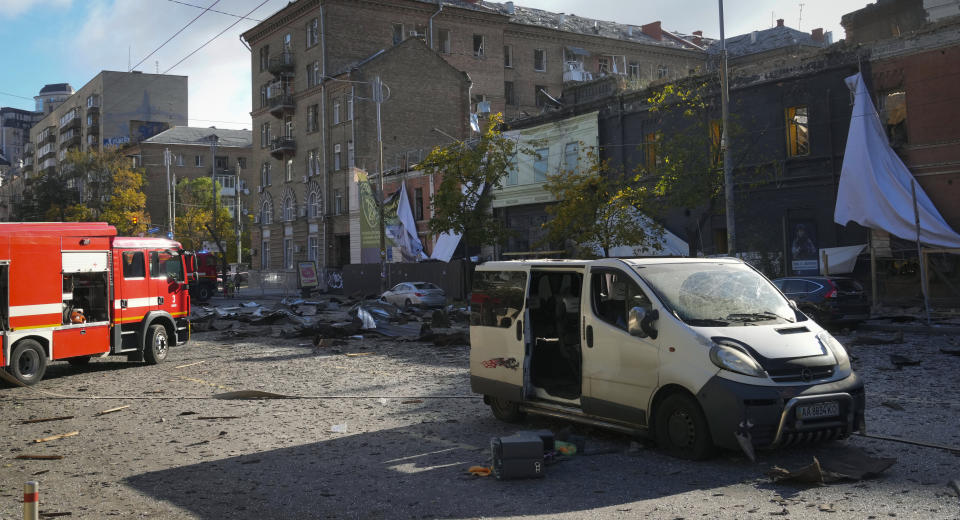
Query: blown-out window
point(798, 131)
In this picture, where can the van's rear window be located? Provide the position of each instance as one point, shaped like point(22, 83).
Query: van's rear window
point(497, 297)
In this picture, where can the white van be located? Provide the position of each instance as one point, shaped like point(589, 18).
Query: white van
point(688, 350)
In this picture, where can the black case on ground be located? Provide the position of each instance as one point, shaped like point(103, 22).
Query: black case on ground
point(517, 456)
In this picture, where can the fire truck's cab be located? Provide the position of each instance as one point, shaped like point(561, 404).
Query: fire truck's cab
point(204, 285)
point(70, 291)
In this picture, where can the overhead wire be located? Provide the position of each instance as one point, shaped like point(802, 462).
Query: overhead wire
point(174, 35)
point(215, 11)
point(215, 37)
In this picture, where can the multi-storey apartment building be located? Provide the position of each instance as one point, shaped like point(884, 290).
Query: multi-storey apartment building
point(114, 108)
point(51, 96)
point(190, 151)
point(15, 126)
point(517, 60)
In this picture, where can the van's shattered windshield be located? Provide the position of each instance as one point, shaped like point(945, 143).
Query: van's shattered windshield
point(712, 294)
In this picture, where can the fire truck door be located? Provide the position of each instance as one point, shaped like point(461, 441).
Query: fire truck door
point(131, 293)
point(167, 282)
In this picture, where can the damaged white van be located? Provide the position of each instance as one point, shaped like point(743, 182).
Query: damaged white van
point(692, 351)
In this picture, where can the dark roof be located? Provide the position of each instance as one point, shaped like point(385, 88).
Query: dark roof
point(766, 40)
point(56, 87)
point(201, 135)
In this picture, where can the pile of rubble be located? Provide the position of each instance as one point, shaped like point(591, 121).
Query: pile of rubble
point(334, 319)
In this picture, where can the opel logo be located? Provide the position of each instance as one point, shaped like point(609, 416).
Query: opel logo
point(806, 374)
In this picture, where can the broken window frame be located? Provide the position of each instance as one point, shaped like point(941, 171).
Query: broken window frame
point(508, 56)
point(397, 33)
point(798, 130)
point(443, 41)
point(540, 55)
point(479, 42)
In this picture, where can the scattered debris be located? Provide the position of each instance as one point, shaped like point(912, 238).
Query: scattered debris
point(190, 364)
point(46, 419)
point(439, 319)
point(357, 354)
point(892, 405)
point(217, 417)
point(852, 464)
point(57, 436)
point(480, 471)
point(339, 428)
point(39, 457)
point(955, 485)
point(117, 409)
point(412, 401)
point(745, 439)
point(908, 441)
point(188, 413)
point(902, 361)
point(51, 514)
point(951, 351)
point(249, 394)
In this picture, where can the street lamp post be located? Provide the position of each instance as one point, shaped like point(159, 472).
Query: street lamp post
point(378, 99)
point(166, 161)
point(725, 142)
point(214, 139)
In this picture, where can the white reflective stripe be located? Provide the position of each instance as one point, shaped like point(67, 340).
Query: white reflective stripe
point(35, 310)
point(137, 302)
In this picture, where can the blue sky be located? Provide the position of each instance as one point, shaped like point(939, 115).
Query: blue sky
point(56, 41)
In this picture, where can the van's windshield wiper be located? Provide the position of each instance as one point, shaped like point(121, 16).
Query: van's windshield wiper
point(706, 322)
point(755, 316)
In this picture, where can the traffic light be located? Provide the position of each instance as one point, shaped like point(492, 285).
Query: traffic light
point(135, 219)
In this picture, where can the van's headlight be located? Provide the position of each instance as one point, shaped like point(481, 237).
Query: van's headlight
point(834, 346)
point(730, 357)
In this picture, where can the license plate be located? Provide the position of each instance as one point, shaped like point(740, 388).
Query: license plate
point(817, 410)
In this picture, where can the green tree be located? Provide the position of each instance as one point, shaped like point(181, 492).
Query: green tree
point(470, 170)
point(194, 224)
point(96, 172)
point(590, 212)
point(126, 207)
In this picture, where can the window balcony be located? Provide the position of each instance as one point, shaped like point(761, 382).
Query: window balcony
point(93, 127)
point(69, 122)
point(281, 146)
point(281, 104)
point(282, 64)
point(70, 137)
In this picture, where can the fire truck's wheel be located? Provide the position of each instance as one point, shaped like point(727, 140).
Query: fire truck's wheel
point(203, 292)
point(79, 361)
point(155, 349)
point(27, 362)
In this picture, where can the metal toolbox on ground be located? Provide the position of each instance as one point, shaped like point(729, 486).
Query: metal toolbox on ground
point(517, 456)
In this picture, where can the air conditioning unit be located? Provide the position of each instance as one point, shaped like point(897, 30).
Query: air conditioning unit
point(259, 189)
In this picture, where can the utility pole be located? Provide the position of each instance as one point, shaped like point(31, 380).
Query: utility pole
point(166, 162)
point(725, 142)
point(378, 98)
point(236, 189)
point(213, 181)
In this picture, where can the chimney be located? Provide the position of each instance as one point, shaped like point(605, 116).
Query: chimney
point(560, 19)
point(630, 31)
point(779, 22)
point(698, 37)
point(753, 37)
point(653, 30)
point(509, 7)
point(817, 34)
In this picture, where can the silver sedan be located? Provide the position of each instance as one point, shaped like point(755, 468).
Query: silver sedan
point(424, 294)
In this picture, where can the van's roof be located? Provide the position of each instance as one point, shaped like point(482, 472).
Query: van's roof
point(658, 260)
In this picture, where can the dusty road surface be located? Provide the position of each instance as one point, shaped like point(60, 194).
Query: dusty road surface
point(387, 429)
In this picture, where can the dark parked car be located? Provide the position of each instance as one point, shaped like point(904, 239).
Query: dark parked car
point(829, 300)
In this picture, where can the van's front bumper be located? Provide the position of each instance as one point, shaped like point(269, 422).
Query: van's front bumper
point(772, 411)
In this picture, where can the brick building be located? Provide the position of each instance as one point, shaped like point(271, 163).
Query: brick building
point(190, 158)
point(516, 59)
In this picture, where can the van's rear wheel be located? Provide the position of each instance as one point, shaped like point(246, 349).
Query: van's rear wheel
point(156, 346)
point(681, 428)
point(507, 411)
point(28, 362)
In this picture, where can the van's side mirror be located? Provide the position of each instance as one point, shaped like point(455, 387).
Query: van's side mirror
point(793, 304)
point(640, 322)
point(505, 322)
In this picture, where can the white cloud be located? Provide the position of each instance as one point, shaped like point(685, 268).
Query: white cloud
point(13, 8)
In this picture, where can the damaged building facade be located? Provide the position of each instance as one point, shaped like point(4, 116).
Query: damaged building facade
point(498, 58)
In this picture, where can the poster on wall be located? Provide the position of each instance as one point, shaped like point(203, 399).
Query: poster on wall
point(804, 252)
point(307, 273)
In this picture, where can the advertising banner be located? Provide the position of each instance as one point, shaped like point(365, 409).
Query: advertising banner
point(804, 253)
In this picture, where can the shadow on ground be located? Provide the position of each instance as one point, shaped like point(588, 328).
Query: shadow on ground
point(420, 471)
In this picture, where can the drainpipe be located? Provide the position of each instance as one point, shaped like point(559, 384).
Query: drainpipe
point(439, 9)
point(323, 138)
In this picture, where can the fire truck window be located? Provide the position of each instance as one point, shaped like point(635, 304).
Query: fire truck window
point(154, 264)
point(133, 266)
point(172, 266)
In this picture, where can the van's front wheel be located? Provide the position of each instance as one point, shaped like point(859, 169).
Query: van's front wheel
point(506, 411)
point(681, 428)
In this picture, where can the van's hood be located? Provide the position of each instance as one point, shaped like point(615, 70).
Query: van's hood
point(786, 340)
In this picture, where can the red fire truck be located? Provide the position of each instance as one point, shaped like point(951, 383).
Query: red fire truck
point(207, 267)
point(70, 291)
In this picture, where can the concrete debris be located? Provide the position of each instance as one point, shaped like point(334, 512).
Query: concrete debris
point(851, 464)
point(873, 340)
point(902, 361)
point(439, 319)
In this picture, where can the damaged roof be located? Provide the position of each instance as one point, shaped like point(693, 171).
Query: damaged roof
point(765, 40)
point(201, 135)
point(567, 22)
